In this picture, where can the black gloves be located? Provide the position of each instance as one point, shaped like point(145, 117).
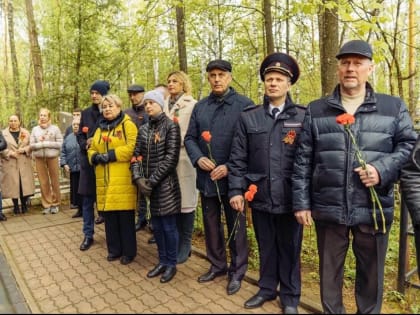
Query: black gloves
point(144, 186)
point(100, 159)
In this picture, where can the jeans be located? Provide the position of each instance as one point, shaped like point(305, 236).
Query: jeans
point(166, 235)
point(88, 213)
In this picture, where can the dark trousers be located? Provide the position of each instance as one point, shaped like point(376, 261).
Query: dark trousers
point(279, 238)
point(75, 197)
point(369, 248)
point(185, 226)
point(215, 239)
point(120, 232)
point(166, 235)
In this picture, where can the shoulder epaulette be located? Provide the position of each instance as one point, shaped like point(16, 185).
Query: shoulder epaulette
point(249, 107)
point(301, 106)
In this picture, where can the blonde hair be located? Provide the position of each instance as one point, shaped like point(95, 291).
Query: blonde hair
point(184, 78)
point(43, 109)
point(112, 98)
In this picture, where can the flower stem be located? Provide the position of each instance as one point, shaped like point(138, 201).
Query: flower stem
point(373, 194)
point(235, 228)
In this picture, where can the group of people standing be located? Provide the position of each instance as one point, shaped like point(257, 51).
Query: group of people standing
point(150, 163)
point(22, 151)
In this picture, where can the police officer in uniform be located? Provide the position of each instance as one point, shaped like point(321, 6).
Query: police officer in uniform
point(263, 152)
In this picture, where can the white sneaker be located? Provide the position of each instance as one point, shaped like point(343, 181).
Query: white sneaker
point(46, 210)
point(54, 209)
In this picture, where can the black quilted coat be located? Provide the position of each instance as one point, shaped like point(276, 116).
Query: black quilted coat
point(324, 180)
point(159, 143)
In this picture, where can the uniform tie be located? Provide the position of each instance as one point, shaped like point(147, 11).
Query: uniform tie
point(275, 111)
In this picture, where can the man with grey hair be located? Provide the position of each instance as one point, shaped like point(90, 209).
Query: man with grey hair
point(217, 115)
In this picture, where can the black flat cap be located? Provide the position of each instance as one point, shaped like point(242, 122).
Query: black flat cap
point(219, 64)
point(135, 88)
point(280, 62)
point(356, 47)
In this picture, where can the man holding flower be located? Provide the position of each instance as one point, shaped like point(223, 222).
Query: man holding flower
point(262, 155)
point(344, 176)
point(217, 115)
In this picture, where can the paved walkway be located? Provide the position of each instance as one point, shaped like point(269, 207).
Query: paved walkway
point(46, 273)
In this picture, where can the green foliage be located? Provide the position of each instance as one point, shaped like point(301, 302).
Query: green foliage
point(82, 41)
point(253, 258)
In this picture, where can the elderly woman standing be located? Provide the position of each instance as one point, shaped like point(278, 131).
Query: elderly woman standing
point(18, 177)
point(179, 106)
point(110, 152)
point(158, 144)
point(45, 142)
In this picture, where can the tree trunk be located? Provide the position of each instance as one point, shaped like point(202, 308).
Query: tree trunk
point(411, 60)
point(180, 27)
point(34, 47)
point(328, 48)
point(13, 55)
point(78, 64)
point(5, 55)
point(268, 26)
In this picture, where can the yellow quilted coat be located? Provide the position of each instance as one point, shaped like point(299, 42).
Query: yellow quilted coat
point(114, 189)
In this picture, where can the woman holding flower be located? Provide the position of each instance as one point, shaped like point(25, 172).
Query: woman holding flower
point(159, 144)
point(110, 153)
point(344, 175)
point(18, 176)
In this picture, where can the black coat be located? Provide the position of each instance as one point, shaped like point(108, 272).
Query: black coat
point(89, 119)
point(159, 144)
point(263, 151)
point(410, 184)
point(219, 116)
point(137, 115)
point(324, 179)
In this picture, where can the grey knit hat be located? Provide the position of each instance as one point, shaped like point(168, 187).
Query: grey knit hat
point(156, 96)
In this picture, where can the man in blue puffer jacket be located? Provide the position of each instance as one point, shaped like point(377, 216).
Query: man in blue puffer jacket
point(330, 186)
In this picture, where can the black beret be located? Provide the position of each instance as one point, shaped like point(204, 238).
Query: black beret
point(135, 88)
point(282, 63)
point(219, 64)
point(356, 47)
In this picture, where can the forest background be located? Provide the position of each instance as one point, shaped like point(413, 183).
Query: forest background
point(53, 50)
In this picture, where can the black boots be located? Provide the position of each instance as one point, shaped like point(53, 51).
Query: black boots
point(23, 203)
point(16, 209)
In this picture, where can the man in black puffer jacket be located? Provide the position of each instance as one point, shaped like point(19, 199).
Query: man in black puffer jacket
point(330, 186)
point(410, 188)
point(263, 152)
point(217, 114)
